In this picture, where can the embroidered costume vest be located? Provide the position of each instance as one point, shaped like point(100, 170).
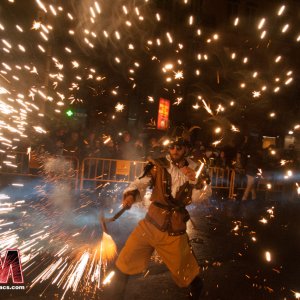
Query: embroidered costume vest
point(166, 212)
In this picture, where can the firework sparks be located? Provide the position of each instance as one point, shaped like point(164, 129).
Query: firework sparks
point(108, 278)
point(119, 107)
point(268, 256)
point(207, 108)
point(25, 100)
point(178, 101)
point(199, 170)
point(108, 247)
point(263, 220)
point(256, 94)
point(217, 142)
point(296, 294)
point(298, 188)
point(234, 129)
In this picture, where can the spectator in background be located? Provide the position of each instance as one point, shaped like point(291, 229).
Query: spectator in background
point(58, 147)
point(155, 150)
point(290, 155)
point(89, 144)
point(139, 150)
point(74, 145)
point(108, 149)
point(198, 151)
point(59, 134)
point(209, 157)
point(126, 147)
point(238, 165)
point(55, 141)
point(220, 161)
point(97, 151)
point(253, 163)
point(289, 163)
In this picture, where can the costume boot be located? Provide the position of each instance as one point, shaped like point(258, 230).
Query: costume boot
point(116, 289)
point(196, 288)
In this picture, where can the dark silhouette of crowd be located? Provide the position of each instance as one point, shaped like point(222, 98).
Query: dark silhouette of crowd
point(121, 147)
point(249, 160)
point(126, 147)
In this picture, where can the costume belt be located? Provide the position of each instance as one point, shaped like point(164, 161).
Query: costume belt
point(169, 207)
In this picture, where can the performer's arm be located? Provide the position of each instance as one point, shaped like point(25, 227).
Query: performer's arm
point(202, 187)
point(136, 190)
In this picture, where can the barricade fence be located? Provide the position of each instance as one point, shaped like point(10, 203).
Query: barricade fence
point(14, 162)
point(93, 171)
point(51, 167)
point(98, 170)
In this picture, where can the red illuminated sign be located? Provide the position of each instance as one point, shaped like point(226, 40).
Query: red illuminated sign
point(163, 114)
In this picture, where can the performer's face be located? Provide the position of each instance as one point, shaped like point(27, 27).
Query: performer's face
point(177, 152)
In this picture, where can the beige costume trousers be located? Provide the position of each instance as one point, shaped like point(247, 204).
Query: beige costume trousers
point(175, 251)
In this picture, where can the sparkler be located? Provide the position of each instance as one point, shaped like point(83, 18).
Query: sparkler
point(199, 170)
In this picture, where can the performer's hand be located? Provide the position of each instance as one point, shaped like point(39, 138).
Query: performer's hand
point(189, 173)
point(128, 201)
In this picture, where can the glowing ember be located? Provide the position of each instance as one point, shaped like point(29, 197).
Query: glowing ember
point(268, 256)
point(298, 188)
point(119, 107)
point(263, 220)
point(297, 295)
point(108, 278)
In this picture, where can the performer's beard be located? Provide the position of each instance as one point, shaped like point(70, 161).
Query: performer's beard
point(177, 157)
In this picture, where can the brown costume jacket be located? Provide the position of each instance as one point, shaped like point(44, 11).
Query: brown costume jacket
point(166, 212)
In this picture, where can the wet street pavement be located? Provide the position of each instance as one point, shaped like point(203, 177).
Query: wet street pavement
point(231, 242)
point(247, 250)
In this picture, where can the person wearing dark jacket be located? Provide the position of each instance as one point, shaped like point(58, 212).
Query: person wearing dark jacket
point(253, 161)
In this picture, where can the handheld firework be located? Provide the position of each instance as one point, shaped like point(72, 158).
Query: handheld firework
point(108, 246)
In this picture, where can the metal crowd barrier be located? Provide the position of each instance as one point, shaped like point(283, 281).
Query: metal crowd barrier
point(56, 168)
point(14, 162)
point(98, 170)
point(94, 171)
point(237, 183)
point(22, 164)
point(221, 179)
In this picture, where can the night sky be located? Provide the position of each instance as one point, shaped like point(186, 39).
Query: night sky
point(220, 64)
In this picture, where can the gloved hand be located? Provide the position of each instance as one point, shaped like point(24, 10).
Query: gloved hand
point(128, 201)
point(199, 184)
point(189, 173)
